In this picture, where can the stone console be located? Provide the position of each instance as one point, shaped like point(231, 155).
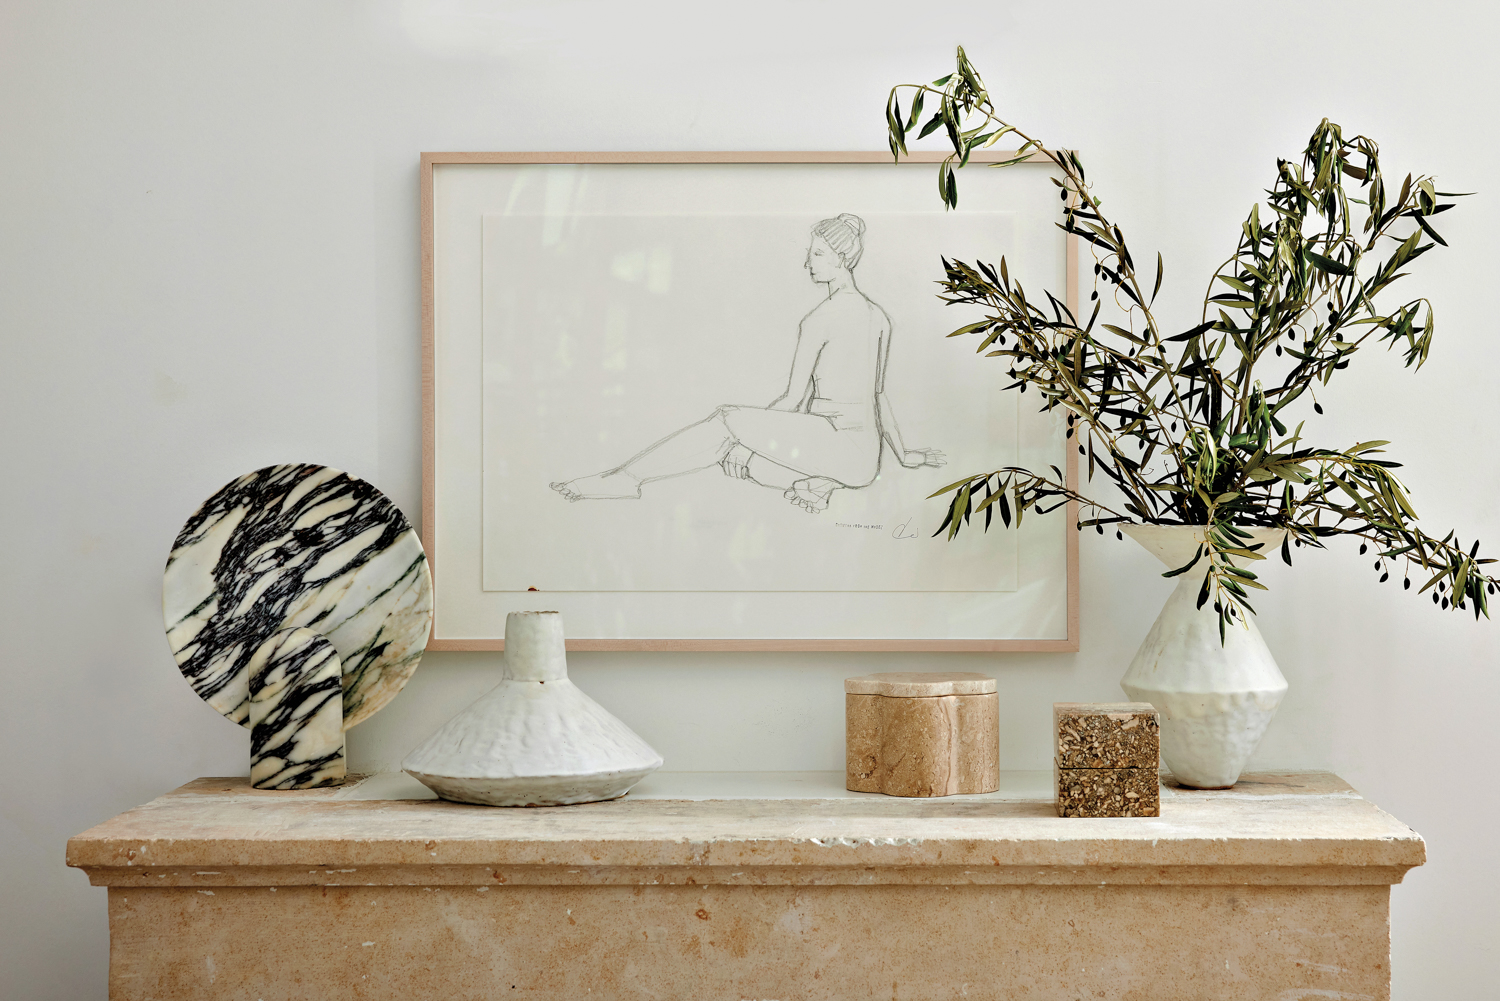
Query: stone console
point(746, 887)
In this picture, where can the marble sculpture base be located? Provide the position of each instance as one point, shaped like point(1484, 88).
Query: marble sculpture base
point(296, 712)
point(1278, 889)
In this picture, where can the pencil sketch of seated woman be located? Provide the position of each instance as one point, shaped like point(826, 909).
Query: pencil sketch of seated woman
point(824, 432)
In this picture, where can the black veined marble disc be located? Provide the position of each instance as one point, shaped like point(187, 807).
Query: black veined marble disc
point(297, 545)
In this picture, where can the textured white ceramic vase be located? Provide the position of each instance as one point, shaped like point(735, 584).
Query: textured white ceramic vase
point(1215, 699)
point(535, 740)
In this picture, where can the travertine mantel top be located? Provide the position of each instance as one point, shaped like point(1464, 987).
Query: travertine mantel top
point(1269, 828)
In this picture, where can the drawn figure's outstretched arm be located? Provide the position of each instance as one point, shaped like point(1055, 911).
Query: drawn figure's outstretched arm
point(799, 386)
point(890, 431)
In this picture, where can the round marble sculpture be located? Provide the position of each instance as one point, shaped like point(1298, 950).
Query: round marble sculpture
point(535, 739)
point(297, 545)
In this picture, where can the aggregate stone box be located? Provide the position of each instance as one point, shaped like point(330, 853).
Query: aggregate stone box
point(1107, 759)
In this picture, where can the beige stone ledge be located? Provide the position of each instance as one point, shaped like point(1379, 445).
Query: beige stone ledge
point(716, 888)
point(1269, 827)
point(912, 875)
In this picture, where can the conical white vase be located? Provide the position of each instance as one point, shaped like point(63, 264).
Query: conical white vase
point(535, 739)
point(1215, 699)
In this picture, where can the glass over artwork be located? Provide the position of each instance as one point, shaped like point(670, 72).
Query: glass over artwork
point(728, 386)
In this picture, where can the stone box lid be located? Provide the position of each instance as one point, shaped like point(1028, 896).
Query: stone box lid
point(921, 684)
point(1122, 709)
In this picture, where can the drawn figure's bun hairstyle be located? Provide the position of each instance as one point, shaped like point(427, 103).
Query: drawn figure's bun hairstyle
point(846, 235)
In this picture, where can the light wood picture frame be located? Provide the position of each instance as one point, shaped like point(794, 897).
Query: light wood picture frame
point(577, 307)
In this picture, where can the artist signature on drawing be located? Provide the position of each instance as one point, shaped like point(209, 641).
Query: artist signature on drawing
point(901, 531)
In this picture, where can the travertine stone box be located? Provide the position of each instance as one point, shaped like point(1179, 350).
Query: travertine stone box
point(922, 734)
point(1107, 758)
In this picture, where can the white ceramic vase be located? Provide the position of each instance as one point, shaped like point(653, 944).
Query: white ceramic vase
point(535, 739)
point(1215, 699)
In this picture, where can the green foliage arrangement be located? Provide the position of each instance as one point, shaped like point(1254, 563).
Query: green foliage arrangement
point(1191, 426)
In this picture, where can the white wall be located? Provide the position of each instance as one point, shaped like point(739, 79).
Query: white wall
point(208, 261)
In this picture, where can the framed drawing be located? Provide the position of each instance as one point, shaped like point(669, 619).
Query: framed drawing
point(700, 400)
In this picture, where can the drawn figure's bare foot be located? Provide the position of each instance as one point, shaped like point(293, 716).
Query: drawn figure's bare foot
point(811, 494)
point(601, 486)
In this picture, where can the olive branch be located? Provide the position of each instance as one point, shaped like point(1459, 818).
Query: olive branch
point(1190, 426)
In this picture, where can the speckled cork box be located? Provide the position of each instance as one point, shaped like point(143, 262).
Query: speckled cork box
point(1107, 759)
point(922, 734)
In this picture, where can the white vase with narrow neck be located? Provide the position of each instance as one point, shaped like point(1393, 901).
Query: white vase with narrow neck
point(535, 739)
point(1215, 698)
